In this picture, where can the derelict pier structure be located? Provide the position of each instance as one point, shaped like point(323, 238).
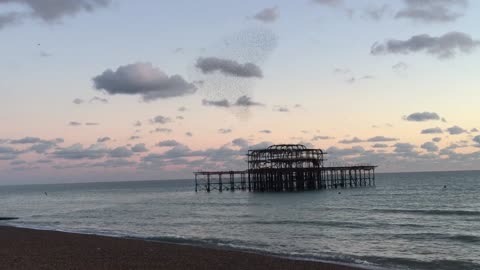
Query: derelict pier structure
point(286, 167)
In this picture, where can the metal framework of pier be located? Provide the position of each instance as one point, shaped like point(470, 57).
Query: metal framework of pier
point(286, 167)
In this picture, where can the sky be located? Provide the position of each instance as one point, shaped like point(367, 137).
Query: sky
point(116, 90)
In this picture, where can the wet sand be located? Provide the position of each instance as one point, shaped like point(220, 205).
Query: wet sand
point(36, 249)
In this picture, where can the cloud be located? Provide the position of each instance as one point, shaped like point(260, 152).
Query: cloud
point(178, 50)
point(103, 139)
point(342, 71)
point(350, 141)
point(436, 139)
point(189, 134)
point(473, 130)
point(45, 54)
point(74, 124)
point(266, 131)
point(121, 152)
point(281, 109)
point(461, 144)
point(78, 101)
point(404, 148)
point(380, 145)
point(112, 163)
point(38, 145)
point(44, 161)
point(240, 142)
point(49, 11)
point(43, 146)
point(26, 140)
point(139, 148)
point(162, 130)
point(159, 119)
point(77, 151)
point(337, 152)
point(400, 67)
point(219, 158)
point(444, 46)
point(422, 116)
point(381, 139)
point(137, 124)
point(109, 163)
point(8, 153)
point(432, 10)
point(224, 130)
point(435, 130)
point(98, 99)
point(477, 139)
point(180, 150)
point(18, 162)
point(153, 160)
point(91, 124)
point(267, 15)
point(376, 13)
point(430, 147)
point(143, 79)
point(168, 143)
point(182, 109)
point(331, 3)
point(455, 130)
point(354, 79)
point(216, 103)
point(134, 137)
point(317, 138)
point(10, 18)
point(351, 80)
point(245, 101)
point(228, 67)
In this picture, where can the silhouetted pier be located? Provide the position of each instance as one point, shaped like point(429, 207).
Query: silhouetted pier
point(286, 167)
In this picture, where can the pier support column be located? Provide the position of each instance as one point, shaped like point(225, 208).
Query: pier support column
point(208, 182)
point(373, 176)
point(196, 183)
point(220, 184)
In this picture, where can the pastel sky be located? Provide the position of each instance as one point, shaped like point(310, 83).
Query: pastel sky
point(105, 90)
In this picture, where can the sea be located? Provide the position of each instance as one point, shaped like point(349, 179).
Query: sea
point(428, 220)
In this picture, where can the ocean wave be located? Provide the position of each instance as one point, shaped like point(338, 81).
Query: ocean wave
point(430, 212)
point(265, 249)
point(409, 263)
point(464, 238)
point(340, 224)
point(310, 222)
point(8, 218)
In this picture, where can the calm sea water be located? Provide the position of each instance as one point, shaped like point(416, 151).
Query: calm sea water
point(408, 221)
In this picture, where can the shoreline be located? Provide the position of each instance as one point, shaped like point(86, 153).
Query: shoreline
point(24, 248)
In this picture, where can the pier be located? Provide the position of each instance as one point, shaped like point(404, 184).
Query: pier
point(286, 167)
